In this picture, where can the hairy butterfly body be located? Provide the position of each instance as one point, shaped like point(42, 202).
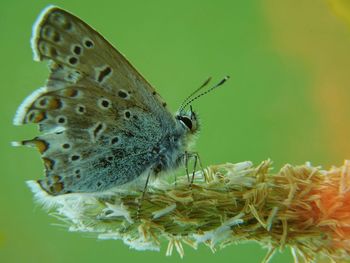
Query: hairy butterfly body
point(102, 123)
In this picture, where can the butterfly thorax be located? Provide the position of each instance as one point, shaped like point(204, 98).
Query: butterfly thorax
point(170, 151)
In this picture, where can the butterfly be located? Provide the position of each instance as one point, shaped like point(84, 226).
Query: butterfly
point(103, 125)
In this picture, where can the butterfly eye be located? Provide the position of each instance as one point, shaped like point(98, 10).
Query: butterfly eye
point(187, 121)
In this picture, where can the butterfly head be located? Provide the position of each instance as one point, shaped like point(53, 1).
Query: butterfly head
point(188, 120)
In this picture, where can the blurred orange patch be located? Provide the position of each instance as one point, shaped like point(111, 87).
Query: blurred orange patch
point(332, 209)
point(312, 33)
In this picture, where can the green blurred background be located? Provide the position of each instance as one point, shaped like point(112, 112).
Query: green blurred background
point(288, 100)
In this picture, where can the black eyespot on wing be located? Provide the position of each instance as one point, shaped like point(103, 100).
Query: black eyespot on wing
point(66, 146)
point(61, 120)
point(104, 73)
point(122, 94)
point(77, 50)
point(127, 114)
point(73, 60)
point(75, 157)
point(104, 103)
point(115, 140)
point(81, 109)
point(88, 43)
point(97, 129)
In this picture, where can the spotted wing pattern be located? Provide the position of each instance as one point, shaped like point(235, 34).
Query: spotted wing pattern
point(99, 117)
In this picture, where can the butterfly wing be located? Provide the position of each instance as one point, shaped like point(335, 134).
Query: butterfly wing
point(100, 118)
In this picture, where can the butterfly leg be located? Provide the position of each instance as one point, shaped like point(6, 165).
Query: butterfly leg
point(140, 200)
point(201, 166)
point(194, 168)
point(197, 161)
point(145, 187)
point(187, 156)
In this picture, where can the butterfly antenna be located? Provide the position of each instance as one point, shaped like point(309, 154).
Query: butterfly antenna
point(205, 83)
point(203, 93)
